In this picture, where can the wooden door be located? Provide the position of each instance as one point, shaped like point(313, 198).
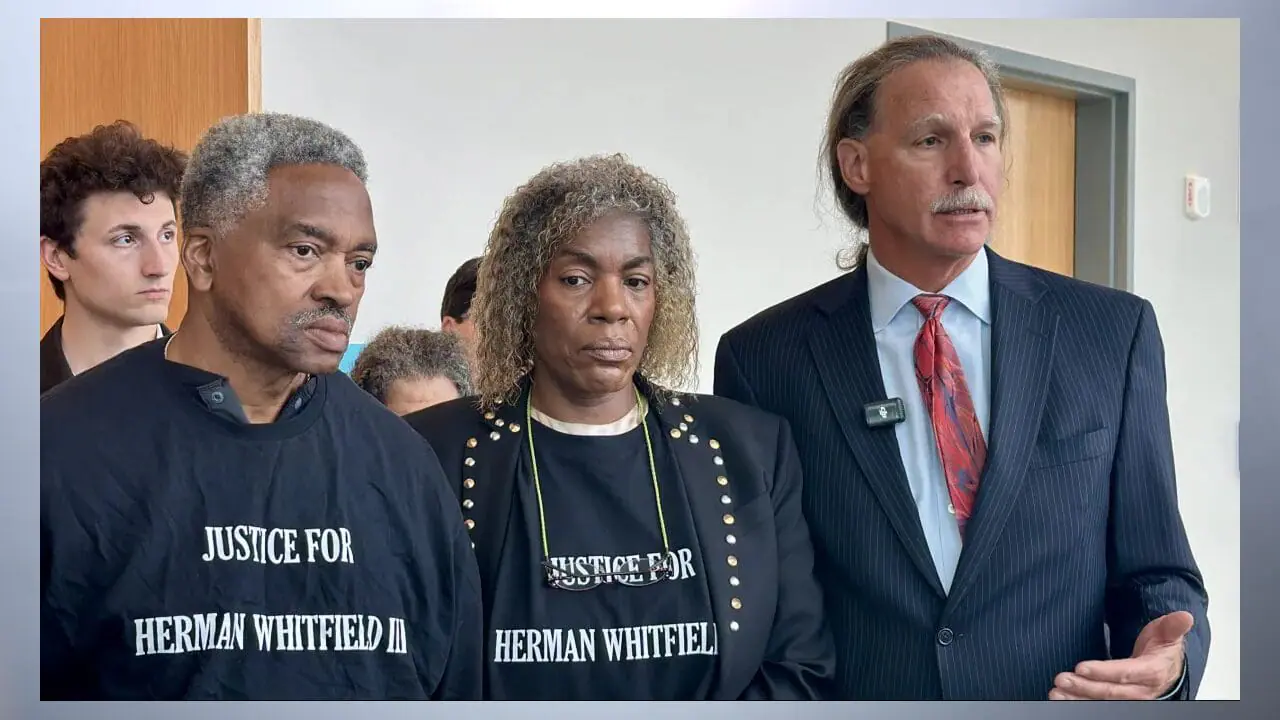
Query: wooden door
point(171, 77)
point(1035, 223)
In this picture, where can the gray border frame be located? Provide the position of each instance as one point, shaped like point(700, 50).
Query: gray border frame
point(1105, 163)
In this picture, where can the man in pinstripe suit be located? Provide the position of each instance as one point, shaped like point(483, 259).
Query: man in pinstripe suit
point(1010, 530)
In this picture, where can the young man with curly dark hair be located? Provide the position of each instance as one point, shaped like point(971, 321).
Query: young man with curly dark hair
point(108, 241)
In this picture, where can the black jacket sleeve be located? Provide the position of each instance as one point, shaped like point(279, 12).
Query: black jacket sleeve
point(800, 658)
point(463, 677)
point(1150, 568)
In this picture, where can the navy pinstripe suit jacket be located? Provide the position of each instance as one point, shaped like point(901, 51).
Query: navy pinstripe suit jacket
point(1076, 530)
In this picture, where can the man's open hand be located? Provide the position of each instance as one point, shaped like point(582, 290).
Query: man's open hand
point(1151, 672)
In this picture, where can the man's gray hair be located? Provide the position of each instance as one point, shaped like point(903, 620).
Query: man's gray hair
point(402, 353)
point(227, 175)
point(853, 111)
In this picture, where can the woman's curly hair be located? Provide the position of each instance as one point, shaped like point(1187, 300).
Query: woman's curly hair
point(536, 220)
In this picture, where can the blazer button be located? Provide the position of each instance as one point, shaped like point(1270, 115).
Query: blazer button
point(945, 636)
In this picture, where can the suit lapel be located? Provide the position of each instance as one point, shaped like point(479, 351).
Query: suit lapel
point(844, 351)
point(707, 482)
point(1022, 347)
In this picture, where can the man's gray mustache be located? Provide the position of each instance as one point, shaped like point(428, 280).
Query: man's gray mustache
point(968, 199)
point(304, 319)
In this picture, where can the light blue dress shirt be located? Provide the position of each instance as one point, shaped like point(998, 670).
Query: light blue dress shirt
point(897, 322)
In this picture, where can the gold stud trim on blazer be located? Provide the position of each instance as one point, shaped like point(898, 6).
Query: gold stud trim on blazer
point(729, 538)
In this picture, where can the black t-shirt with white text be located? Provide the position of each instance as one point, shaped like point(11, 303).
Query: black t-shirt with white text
point(609, 638)
point(186, 555)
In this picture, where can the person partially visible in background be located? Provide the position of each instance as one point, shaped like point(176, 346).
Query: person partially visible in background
point(455, 308)
point(108, 241)
point(408, 369)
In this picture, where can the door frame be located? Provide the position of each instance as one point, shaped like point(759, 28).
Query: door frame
point(1105, 161)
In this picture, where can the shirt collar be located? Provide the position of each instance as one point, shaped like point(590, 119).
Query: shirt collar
point(216, 394)
point(889, 293)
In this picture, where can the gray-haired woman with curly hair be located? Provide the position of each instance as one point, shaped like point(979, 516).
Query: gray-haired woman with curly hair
point(408, 369)
point(634, 541)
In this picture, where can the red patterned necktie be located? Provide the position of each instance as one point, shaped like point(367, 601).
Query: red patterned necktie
point(955, 424)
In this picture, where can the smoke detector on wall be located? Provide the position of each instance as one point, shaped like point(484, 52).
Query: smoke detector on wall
point(1195, 201)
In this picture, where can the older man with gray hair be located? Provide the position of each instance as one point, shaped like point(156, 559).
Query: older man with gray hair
point(408, 369)
point(225, 515)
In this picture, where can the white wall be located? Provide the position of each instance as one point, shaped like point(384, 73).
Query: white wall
point(454, 115)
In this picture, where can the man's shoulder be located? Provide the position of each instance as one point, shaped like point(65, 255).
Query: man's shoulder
point(1086, 303)
point(348, 399)
point(408, 468)
point(120, 382)
point(104, 416)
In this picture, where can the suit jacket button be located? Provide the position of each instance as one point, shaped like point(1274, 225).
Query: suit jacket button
point(945, 636)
